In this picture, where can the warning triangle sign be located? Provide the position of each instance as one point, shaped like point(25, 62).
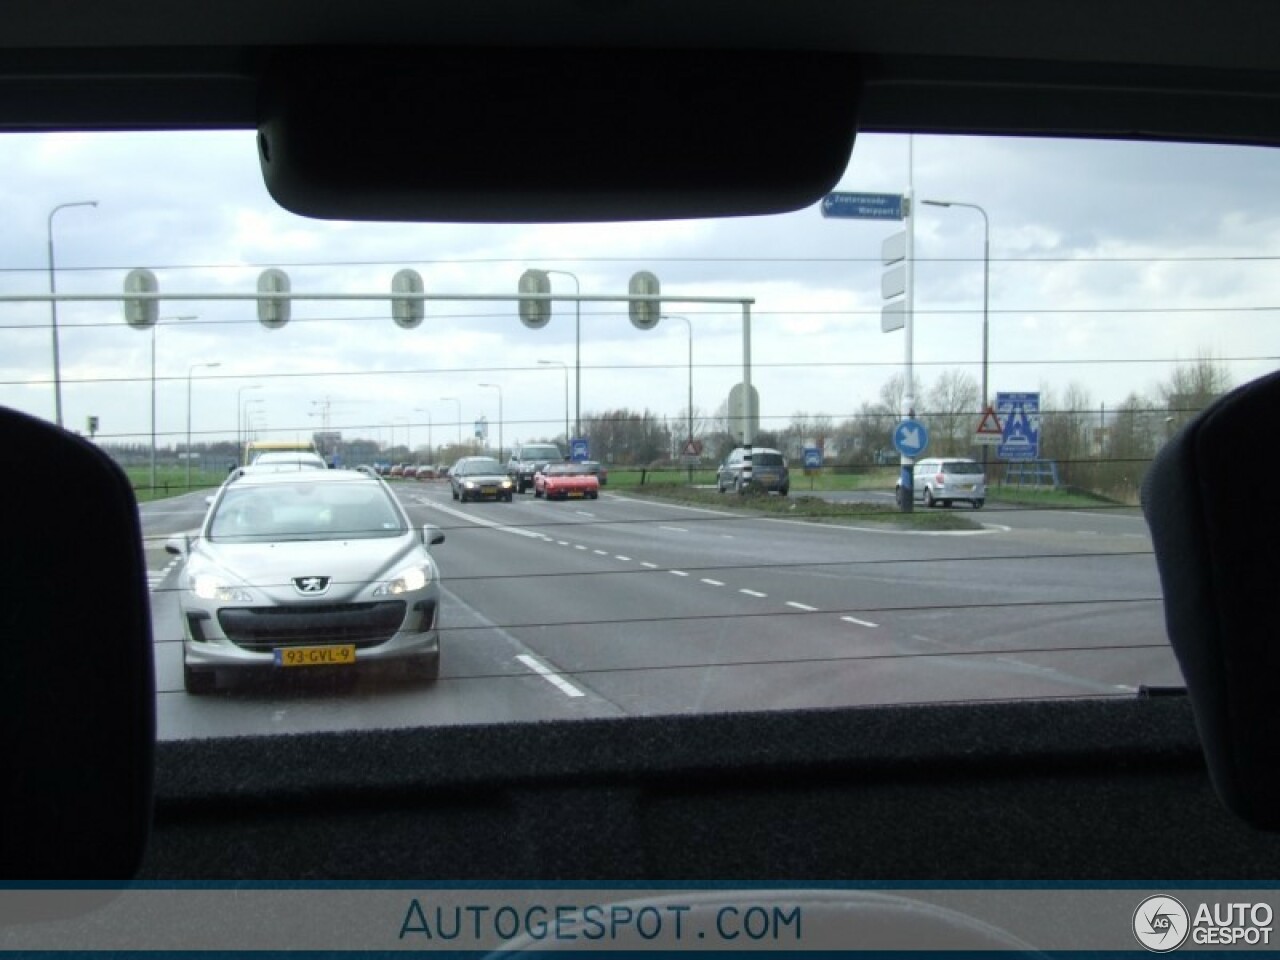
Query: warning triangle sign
point(990, 424)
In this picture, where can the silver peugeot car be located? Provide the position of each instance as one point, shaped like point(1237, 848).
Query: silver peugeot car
point(312, 569)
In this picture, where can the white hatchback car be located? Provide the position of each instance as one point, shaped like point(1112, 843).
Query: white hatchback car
point(948, 480)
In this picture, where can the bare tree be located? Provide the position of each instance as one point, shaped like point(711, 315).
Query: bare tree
point(953, 412)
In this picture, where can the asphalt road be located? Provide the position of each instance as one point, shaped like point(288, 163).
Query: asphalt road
point(624, 606)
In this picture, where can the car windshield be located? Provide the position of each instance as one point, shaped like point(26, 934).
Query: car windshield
point(477, 467)
point(1072, 306)
point(302, 511)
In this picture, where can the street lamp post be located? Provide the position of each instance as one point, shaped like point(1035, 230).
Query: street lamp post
point(577, 353)
point(430, 446)
point(53, 312)
point(689, 434)
point(565, 367)
point(494, 386)
point(240, 418)
point(190, 370)
point(986, 283)
point(459, 403)
point(153, 394)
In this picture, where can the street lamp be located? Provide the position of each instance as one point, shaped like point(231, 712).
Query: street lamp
point(565, 366)
point(986, 276)
point(153, 391)
point(53, 312)
point(459, 403)
point(494, 386)
point(430, 446)
point(689, 323)
point(577, 353)
point(190, 370)
point(240, 417)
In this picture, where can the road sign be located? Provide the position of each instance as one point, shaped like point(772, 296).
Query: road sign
point(990, 432)
point(893, 316)
point(910, 438)
point(692, 448)
point(894, 282)
point(1019, 413)
point(579, 449)
point(894, 249)
point(863, 206)
point(812, 458)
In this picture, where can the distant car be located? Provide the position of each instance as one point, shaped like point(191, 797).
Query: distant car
point(527, 459)
point(947, 480)
point(397, 470)
point(307, 569)
point(562, 481)
point(480, 478)
point(410, 471)
point(426, 471)
point(286, 460)
point(598, 469)
point(768, 471)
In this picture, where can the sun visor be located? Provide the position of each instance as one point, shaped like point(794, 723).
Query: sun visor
point(547, 135)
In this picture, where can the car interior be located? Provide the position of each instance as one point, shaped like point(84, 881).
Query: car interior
point(350, 102)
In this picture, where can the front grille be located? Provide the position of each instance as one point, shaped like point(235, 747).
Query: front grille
point(265, 628)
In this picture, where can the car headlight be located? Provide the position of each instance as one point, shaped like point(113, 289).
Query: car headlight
point(506, 484)
point(207, 586)
point(469, 484)
point(406, 581)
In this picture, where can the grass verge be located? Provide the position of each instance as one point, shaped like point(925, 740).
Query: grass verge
point(801, 507)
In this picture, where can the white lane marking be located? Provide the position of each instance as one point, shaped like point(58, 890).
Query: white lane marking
point(752, 593)
point(563, 543)
point(677, 573)
point(480, 521)
point(553, 678)
point(712, 583)
point(646, 563)
point(802, 606)
point(579, 546)
point(601, 553)
point(861, 623)
point(675, 529)
point(618, 556)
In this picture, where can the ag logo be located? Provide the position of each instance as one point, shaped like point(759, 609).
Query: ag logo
point(1161, 923)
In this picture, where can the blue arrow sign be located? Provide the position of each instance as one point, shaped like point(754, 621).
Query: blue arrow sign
point(863, 206)
point(910, 438)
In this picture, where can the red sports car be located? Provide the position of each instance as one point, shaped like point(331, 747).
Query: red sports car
point(565, 480)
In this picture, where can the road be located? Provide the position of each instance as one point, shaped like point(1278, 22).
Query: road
point(626, 606)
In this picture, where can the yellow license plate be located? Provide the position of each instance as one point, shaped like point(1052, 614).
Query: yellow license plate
point(337, 655)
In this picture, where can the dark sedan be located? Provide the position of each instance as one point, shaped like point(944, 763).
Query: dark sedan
point(480, 478)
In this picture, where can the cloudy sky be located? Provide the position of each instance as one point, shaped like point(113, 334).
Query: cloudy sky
point(1109, 262)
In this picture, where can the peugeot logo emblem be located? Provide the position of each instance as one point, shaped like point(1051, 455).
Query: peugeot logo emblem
point(310, 586)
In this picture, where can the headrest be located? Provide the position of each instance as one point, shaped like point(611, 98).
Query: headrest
point(77, 694)
point(1215, 523)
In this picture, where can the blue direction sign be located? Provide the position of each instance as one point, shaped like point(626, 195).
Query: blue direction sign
point(579, 450)
point(1020, 415)
point(812, 458)
point(863, 206)
point(910, 438)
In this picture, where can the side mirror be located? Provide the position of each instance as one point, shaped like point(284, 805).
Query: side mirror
point(431, 534)
point(179, 545)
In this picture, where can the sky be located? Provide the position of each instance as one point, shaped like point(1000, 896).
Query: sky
point(1109, 263)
